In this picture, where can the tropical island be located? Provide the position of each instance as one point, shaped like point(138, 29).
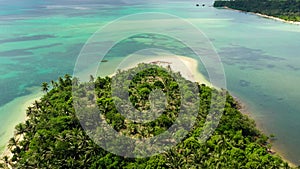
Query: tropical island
point(288, 10)
point(53, 137)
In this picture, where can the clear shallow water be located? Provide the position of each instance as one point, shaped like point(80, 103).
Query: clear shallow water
point(41, 41)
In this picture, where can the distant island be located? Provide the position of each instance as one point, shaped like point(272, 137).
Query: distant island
point(288, 10)
point(52, 136)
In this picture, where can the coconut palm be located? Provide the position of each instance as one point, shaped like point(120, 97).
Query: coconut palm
point(68, 79)
point(20, 129)
point(11, 143)
point(45, 87)
point(75, 81)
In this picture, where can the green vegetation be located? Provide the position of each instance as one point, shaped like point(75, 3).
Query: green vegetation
point(284, 9)
point(54, 138)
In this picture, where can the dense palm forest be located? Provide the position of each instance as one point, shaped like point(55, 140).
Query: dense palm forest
point(284, 9)
point(52, 136)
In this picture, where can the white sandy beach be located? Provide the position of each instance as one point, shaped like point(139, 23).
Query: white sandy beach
point(17, 114)
point(275, 18)
point(266, 16)
point(188, 67)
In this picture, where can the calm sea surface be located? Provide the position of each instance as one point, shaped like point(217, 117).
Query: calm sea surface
point(40, 41)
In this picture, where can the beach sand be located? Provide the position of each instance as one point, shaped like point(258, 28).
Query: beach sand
point(266, 16)
point(13, 113)
point(188, 67)
point(275, 18)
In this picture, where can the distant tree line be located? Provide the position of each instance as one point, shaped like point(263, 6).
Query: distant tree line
point(284, 9)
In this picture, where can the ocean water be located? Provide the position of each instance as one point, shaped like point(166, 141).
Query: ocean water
point(41, 41)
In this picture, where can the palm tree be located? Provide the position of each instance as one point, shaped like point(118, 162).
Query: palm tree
point(20, 129)
point(45, 87)
point(68, 79)
point(61, 82)
point(54, 84)
point(36, 104)
point(92, 79)
point(29, 111)
point(12, 142)
point(169, 68)
point(27, 125)
point(6, 160)
point(75, 81)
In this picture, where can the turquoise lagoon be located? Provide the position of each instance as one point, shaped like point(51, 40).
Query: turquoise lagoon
point(41, 41)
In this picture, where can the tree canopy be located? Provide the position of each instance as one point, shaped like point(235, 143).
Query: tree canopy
point(53, 137)
point(284, 9)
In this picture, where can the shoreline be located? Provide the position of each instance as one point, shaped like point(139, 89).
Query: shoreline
point(275, 18)
point(244, 109)
point(264, 16)
point(188, 67)
point(192, 64)
point(176, 63)
point(19, 116)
